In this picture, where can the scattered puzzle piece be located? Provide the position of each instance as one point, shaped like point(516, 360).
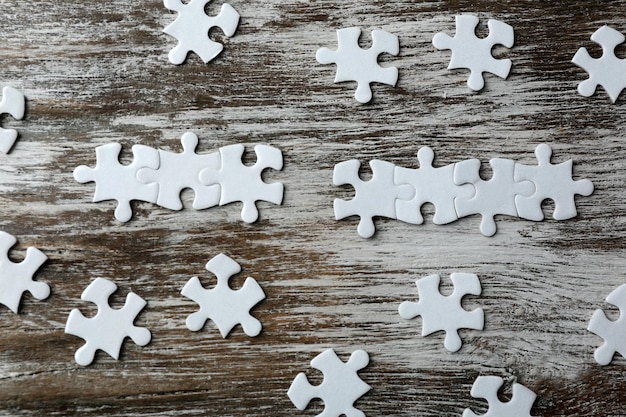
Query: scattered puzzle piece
point(608, 71)
point(224, 306)
point(16, 278)
point(239, 182)
point(178, 171)
point(361, 65)
point(115, 181)
point(552, 181)
point(191, 29)
point(108, 328)
point(432, 185)
point(376, 197)
point(613, 332)
point(445, 313)
point(487, 387)
point(473, 53)
point(340, 388)
point(13, 103)
point(492, 197)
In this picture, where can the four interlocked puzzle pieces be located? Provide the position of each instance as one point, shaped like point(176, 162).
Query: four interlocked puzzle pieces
point(455, 190)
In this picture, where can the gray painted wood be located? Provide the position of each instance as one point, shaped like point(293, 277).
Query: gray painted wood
point(97, 72)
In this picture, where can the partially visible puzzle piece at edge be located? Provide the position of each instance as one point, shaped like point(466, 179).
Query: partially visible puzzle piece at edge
point(191, 29)
point(224, 306)
point(475, 54)
point(13, 103)
point(613, 332)
point(158, 177)
point(487, 387)
point(445, 313)
point(107, 330)
point(457, 190)
point(608, 71)
point(16, 278)
point(361, 65)
point(340, 388)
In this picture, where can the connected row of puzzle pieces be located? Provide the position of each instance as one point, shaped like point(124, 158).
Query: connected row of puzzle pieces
point(158, 176)
point(468, 52)
point(456, 190)
point(342, 387)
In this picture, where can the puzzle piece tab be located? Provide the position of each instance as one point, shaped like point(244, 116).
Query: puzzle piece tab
point(487, 387)
point(432, 185)
point(552, 181)
point(178, 171)
point(191, 29)
point(376, 197)
point(492, 197)
point(13, 103)
point(473, 53)
point(608, 71)
point(224, 306)
point(239, 182)
point(340, 388)
point(16, 278)
point(445, 313)
point(613, 332)
point(115, 181)
point(108, 328)
point(361, 65)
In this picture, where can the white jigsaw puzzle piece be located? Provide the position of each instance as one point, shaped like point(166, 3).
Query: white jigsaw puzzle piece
point(492, 197)
point(487, 387)
point(191, 29)
point(552, 181)
point(432, 185)
point(613, 332)
point(608, 71)
point(108, 328)
point(376, 197)
point(473, 53)
point(361, 65)
point(239, 182)
point(445, 313)
point(178, 171)
point(115, 181)
point(13, 103)
point(16, 278)
point(224, 306)
point(340, 388)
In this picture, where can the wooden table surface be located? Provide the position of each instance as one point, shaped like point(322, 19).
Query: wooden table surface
point(97, 72)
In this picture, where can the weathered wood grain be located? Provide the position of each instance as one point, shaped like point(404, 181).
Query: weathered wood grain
point(97, 72)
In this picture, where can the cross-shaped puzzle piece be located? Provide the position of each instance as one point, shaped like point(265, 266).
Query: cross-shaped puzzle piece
point(224, 306)
point(492, 197)
point(13, 103)
point(487, 387)
point(613, 332)
point(376, 197)
point(445, 313)
point(552, 181)
point(608, 71)
point(361, 65)
point(16, 278)
point(108, 328)
point(473, 53)
point(178, 171)
point(115, 181)
point(240, 182)
point(432, 185)
point(340, 388)
point(191, 29)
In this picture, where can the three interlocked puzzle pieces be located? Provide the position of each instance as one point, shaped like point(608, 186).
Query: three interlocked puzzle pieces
point(455, 190)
